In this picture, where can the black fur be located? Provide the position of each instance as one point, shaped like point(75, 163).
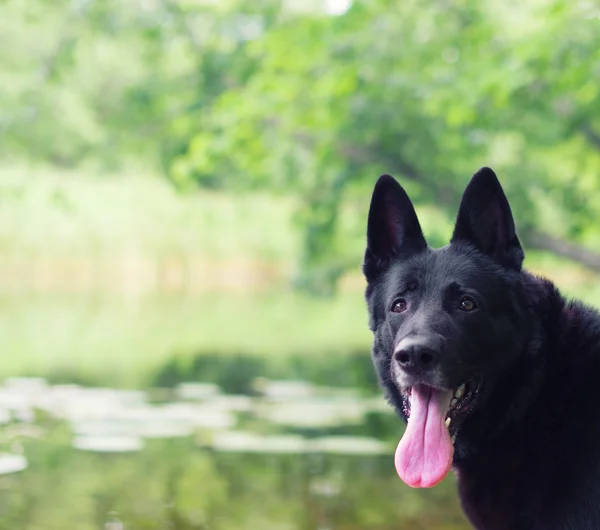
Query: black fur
point(527, 450)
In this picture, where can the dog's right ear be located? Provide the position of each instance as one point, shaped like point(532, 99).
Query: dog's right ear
point(393, 228)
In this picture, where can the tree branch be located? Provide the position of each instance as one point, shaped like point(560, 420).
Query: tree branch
point(447, 196)
point(575, 252)
point(591, 136)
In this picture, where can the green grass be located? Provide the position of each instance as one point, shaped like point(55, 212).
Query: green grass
point(47, 213)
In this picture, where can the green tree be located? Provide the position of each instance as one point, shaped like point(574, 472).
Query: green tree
point(243, 96)
point(427, 92)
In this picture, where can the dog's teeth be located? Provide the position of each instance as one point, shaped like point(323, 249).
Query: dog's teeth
point(453, 402)
point(459, 391)
point(448, 420)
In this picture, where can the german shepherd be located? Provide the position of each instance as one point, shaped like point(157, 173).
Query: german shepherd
point(494, 371)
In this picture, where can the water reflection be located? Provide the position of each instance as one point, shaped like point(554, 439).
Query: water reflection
point(290, 455)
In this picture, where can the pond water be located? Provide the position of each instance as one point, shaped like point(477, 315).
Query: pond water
point(152, 413)
point(288, 455)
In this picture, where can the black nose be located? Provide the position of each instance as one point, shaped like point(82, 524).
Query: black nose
point(417, 357)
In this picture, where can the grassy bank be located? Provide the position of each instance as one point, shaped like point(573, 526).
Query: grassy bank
point(68, 232)
point(124, 341)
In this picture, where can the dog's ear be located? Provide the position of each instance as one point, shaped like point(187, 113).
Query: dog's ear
point(485, 220)
point(393, 228)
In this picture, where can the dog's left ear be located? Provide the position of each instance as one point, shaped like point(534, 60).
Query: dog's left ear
point(486, 222)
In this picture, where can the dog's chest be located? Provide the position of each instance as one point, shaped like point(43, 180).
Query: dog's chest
point(504, 489)
point(524, 488)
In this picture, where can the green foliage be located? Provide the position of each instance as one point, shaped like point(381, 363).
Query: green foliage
point(116, 81)
point(236, 95)
point(426, 92)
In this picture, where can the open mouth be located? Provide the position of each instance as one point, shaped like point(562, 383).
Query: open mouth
point(462, 401)
point(425, 452)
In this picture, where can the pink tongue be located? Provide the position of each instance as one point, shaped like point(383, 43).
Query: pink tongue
point(424, 455)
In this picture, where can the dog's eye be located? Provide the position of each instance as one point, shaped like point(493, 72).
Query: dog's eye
point(399, 306)
point(467, 304)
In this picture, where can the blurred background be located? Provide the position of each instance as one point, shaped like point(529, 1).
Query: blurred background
point(184, 187)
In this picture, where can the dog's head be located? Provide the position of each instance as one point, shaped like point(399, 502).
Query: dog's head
point(447, 322)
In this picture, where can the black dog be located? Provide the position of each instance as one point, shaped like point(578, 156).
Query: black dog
point(496, 374)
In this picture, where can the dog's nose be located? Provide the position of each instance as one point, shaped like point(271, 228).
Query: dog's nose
point(416, 357)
